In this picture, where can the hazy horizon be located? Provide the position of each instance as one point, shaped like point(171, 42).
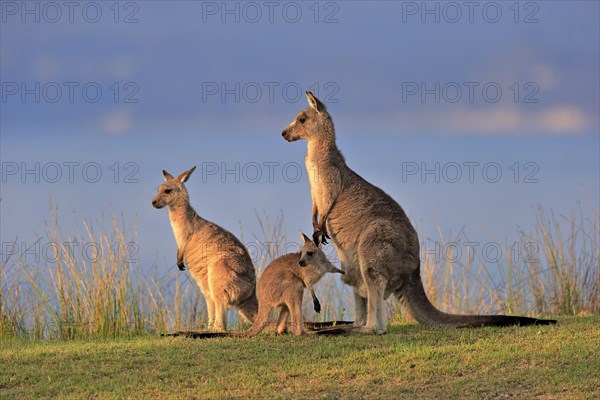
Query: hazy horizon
point(468, 118)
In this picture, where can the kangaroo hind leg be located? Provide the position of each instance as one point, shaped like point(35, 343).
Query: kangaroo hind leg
point(282, 321)
point(374, 257)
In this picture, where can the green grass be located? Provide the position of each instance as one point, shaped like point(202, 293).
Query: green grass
point(411, 361)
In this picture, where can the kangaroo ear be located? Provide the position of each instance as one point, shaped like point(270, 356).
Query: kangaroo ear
point(305, 239)
point(315, 103)
point(185, 175)
point(167, 175)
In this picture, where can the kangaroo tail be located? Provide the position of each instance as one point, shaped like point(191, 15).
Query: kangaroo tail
point(260, 322)
point(415, 301)
point(249, 307)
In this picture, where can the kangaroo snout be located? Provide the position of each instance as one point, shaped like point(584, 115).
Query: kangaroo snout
point(302, 263)
point(288, 136)
point(157, 204)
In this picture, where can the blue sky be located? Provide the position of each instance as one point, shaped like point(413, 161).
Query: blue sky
point(496, 88)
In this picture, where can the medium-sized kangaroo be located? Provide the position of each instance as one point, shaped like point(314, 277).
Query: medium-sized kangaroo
point(217, 260)
point(375, 241)
point(282, 285)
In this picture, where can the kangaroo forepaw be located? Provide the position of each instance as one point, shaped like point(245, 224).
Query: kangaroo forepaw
point(181, 266)
point(317, 305)
point(320, 237)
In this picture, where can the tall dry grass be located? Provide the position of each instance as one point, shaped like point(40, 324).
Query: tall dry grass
point(105, 291)
point(91, 284)
point(554, 269)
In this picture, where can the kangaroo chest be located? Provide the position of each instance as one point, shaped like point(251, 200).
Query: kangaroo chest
point(313, 179)
point(180, 234)
point(321, 179)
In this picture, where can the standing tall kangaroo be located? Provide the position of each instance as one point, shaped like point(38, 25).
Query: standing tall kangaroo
point(217, 260)
point(376, 243)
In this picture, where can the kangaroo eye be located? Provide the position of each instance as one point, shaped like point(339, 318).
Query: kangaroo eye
point(167, 191)
point(310, 253)
point(302, 120)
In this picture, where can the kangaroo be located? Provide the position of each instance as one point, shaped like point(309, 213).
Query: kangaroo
point(217, 260)
point(282, 285)
point(375, 241)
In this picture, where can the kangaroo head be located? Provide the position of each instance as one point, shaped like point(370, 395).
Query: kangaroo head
point(172, 192)
point(312, 123)
point(311, 254)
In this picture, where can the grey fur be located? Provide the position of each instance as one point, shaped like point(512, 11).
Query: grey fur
point(217, 260)
point(375, 241)
point(282, 286)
